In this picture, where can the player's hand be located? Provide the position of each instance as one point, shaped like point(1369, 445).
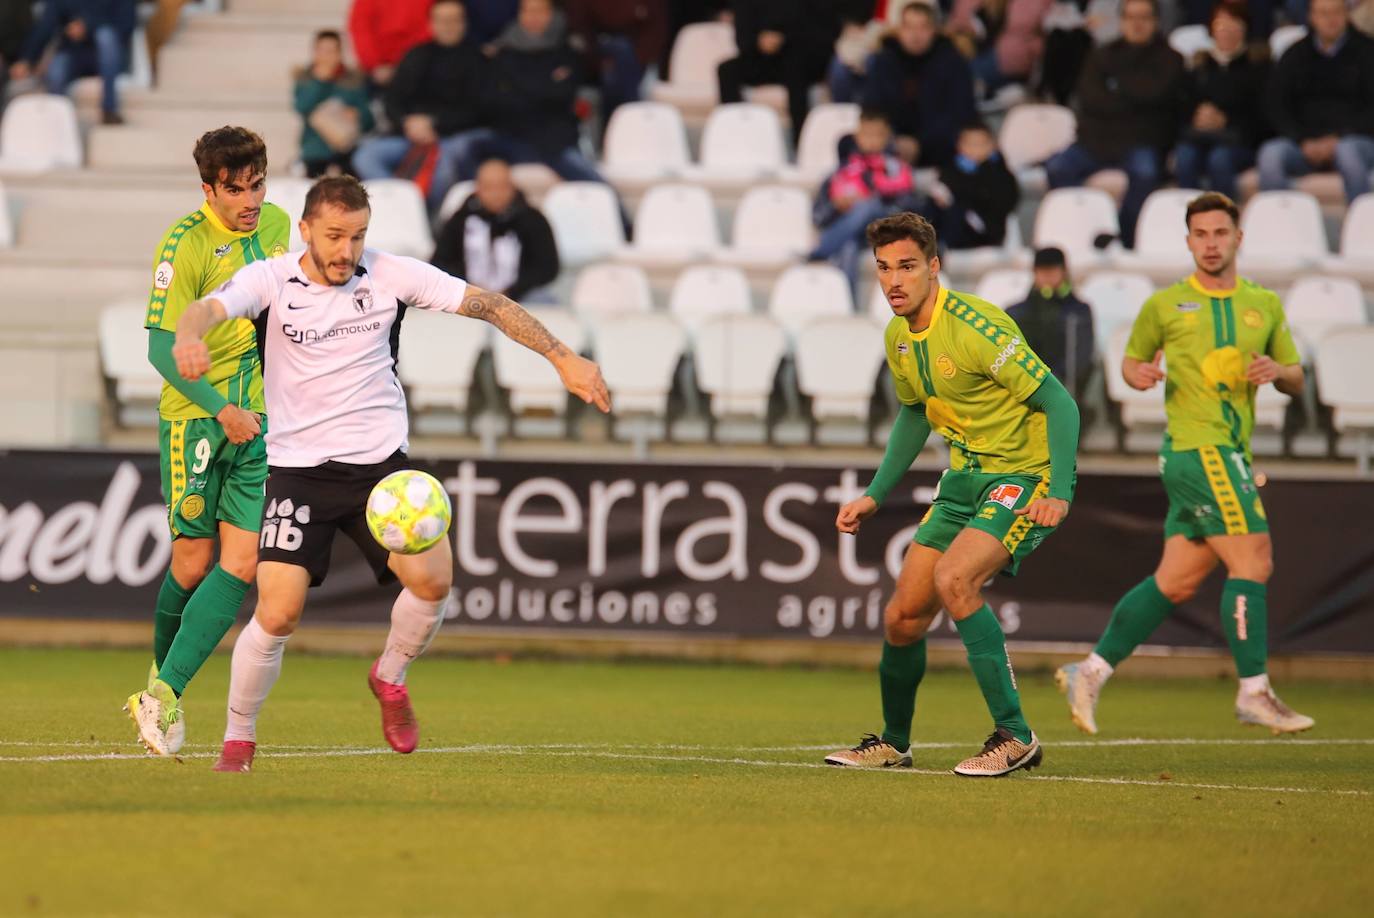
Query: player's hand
point(192, 356)
point(583, 379)
point(1045, 511)
point(1262, 370)
point(239, 425)
point(1141, 375)
point(419, 129)
point(854, 513)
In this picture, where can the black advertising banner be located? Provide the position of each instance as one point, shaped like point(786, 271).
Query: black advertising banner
point(700, 550)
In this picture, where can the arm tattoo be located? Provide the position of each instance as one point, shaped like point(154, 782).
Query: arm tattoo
point(513, 321)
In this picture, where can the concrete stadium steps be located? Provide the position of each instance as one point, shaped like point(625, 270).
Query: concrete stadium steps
point(212, 66)
point(336, 8)
point(54, 393)
point(62, 299)
point(104, 237)
point(163, 140)
point(228, 25)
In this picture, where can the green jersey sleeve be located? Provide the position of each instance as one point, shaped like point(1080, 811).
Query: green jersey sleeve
point(999, 351)
point(178, 275)
point(1281, 345)
point(893, 340)
point(1147, 334)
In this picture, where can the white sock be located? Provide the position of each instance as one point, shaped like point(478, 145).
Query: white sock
point(1254, 685)
point(414, 622)
point(255, 667)
point(1098, 666)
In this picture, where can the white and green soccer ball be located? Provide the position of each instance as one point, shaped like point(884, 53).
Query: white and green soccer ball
point(408, 511)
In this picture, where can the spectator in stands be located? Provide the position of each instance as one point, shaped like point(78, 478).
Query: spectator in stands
point(781, 41)
point(1072, 29)
point(621, 38)
point(871, 182)
point(1226, 117)
point(1011, 41)
point(976, 193)
point(91, 39)
point(16, 18)
point(497, 241)
point(383, 31)
point(1322, 104)
point(433, 102)
point(1057, 324)
point(332, 101)
point(487, 19)
point(1130, 101)
point(529, 90)
point(860, 32)
point(924, 85)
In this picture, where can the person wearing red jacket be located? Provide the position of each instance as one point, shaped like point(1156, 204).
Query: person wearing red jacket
point(383, 31)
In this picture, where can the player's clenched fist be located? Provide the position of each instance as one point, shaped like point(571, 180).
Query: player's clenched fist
point(1046, 511)
point(854, 513)
point(192, 357)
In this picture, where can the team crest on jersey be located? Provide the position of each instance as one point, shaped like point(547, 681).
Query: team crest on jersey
point(1005, 494)
point(221, 251)
point(1189, 307)
point(945, 366)
point(278, 249)
point(1252, 318)
point(362, 299)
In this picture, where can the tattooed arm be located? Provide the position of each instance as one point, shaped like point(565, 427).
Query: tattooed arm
point(580, 375)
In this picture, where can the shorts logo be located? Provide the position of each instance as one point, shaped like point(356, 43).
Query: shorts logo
point(1189, 307)
point(192, 507)
point(362, 299)
point(1005, 494)
point(1004, 355)
point(988, 511)
point(162, 276)
point(1202, 510)
point(278, 525)
point(945, 366)
point(1253, 319)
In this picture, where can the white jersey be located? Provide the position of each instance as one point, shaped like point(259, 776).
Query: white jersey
point(329, 360)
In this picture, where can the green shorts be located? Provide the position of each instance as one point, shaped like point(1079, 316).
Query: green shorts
point(1211, 493)
point(979, 500)
point(205, 478)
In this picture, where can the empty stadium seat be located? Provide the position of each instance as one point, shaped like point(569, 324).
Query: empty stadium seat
point(703, 291)
point(533, 383)
point(741, 145)
point(1284, 37)
point(1032, 134)
point(437, 358)
point(1115, 298)
point(585, 217)
point(1160, 250)
point(838, 360)
point(1285, 236)
point(609, 289)
point(675, 225)
point(973, 262)
point(1316, 304)
point(399, 224)
point(1357, 242)
point(818, 146)
point(39, 132)
point(879, 310)
point(1345, 383)
point(288, 192)
point(6, 225)
point(772, 227)
point(1072, 218)
point(1004, 287)
point(638, 355)
point(1188, 40)
point(124, 362)
point(646, 142)
point(737, 359)
point(699, 49)
point(453, 199)
point(807, 292)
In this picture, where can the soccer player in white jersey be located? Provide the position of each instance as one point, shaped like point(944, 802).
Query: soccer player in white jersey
point(338, 426)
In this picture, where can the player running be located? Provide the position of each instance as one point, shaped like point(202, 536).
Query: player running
point(213, 458)
point(339, 425)
point(961, 368)
point(1221, 337)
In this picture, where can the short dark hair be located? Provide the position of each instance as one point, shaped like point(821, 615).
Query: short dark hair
point(903, 226)
point(323, 34)
point(343, 191)
point(228, 151)
point(1209, 201)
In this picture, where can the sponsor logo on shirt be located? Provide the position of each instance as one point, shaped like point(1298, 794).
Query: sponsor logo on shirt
point(1189, 307)
point(223, 250)
point(1004, 355)
point(162, 275)
point(315, 336)
point(1005, 494)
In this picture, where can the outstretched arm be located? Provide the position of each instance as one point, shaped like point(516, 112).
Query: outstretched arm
point(581, 376)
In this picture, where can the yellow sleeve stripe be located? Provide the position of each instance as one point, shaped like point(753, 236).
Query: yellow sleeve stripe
point(176, 464)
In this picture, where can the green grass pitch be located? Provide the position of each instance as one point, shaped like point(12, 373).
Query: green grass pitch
point(560, 789)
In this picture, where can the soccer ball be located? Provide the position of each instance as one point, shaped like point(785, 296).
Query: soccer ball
point(408, 511)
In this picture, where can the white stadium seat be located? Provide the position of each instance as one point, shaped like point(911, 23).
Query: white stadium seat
point(609, 289)
point(1345, 382)
point(838, 360)
point(973, 262)
point(1004, 287)
point(742, 144)
point(453, 199)
point(1032, 134)
point(6, 224)
point(1072, 218)
point(1283, 38)
point(1316, 304)
point(288, 192)
point(124, 361)
point(533, 383)
point(1285, 236)
point(1160, 250)
point(39, 132)
point(1188, 40)
point(807, 292)
point(1115, 298)
point(818, 146)
point(772, 227)
point(437, 358)
point(585, 217)
point(879, 310)
point(737, 359)
point(703, 291)
point(638, 355)
point(697, 51)
point(674, 226)
point(1357, 242)
point(646, 142)
point(400, 224)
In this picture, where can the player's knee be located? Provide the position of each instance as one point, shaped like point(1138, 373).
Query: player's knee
point(431, 588)
point(1258, 568)
point(277, 621)
point(244, 568)
point(1177, 591)
point(955, 587)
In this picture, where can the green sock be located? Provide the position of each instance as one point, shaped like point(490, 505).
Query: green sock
point(171, 599)
point(987, 655)
point(1245, 619)
point(206, 621)
point(1134, 619)
point(899, 673)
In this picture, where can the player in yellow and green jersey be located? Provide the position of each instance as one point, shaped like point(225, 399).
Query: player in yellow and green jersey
point(961, 368)
point(1221, 338)
point(213, 459)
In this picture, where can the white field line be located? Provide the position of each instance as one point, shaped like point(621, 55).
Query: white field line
point(573, 751)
